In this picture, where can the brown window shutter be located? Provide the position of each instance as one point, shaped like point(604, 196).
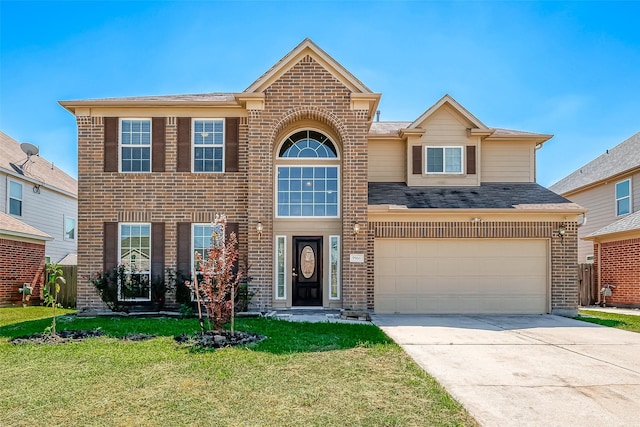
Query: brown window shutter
point(471, 159)
point(416, 155)
point(111, 144)
point(158, 143)
point(231, 144)
point(184, 144)
point(110, 246)
point(157, 250)
point(184, 248)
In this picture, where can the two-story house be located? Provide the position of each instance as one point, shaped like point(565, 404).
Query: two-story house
point(39, 207)
point(609, 188)
point(333, 209)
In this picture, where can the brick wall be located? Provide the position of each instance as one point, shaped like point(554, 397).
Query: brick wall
point(307, 92)
point(564, 270)
point(169, 197)
point(620, 266)
point(20, 263)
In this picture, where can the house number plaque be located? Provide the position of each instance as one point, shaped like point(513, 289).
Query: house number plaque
point(307, 262)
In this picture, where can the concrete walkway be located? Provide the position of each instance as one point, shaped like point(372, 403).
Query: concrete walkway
point(527, 370)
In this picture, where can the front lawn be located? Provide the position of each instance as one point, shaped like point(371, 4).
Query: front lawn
point(627, 322)
point(304, 374)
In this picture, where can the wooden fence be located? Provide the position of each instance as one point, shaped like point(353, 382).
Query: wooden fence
point(68, 292)
point(589, 292)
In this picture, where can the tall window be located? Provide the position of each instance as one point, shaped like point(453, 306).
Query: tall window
point(334, 267)
point(69, 228)
point(208, 145)
point(135, 145)
point(444, 159)
point(623, 197)
point(135, 256)
point(308, 190)
point(281, 254)
point(15, 198)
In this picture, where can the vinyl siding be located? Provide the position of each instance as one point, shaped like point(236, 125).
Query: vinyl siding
point(45, 211)
point(507, 162)
point(444, 128)
point(600, 203)
point(387, 162)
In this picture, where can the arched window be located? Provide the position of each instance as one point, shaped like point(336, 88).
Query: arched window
point(308, 144)
point(308, 188)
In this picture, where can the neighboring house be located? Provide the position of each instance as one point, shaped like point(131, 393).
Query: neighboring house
point(22, 250)
point(41, 195)
point(437, 215)
point(609, 188)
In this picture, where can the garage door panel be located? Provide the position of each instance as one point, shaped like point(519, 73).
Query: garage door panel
point(461, 276)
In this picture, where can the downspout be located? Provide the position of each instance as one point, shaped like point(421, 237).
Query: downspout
point(599, 270)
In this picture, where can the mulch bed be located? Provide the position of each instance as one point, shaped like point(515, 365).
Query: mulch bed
point(60, 337)
point(219, 339)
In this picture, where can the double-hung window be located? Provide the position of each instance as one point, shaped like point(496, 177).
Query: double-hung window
point(15, 198)
point(443, 160)
point(208, 145)
point(135, 145)
point(135, 257)
point(201, 242)
point(623, 197)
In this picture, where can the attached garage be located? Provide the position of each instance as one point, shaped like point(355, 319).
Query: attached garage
point(442, 276)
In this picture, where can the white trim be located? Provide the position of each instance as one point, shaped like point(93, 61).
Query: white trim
point(193, 145)
point(21, 199)
point(311, 159)
point(192, 266)
point(64, 228)
point(339, 190)
point(150, 145)
point(120, 224)
point(338, 258)
point(615, 190)
point(444, 157)
point(284, 272)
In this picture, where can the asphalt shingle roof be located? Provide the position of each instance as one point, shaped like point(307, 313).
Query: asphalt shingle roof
point(623, 157)
point(37, 168)
point(628, 223)
point(486, 196)
point(13, 226)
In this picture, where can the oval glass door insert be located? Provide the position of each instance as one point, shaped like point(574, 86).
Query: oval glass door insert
point(307, 262)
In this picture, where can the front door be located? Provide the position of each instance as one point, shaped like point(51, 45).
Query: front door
point(307, 271)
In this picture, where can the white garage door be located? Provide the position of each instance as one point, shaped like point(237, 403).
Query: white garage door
point(461, 276)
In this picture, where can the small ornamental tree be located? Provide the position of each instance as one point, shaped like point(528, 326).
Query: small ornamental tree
point(217, 279)
point(51, 290)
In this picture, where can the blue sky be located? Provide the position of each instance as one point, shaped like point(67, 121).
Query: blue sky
point(567, 68)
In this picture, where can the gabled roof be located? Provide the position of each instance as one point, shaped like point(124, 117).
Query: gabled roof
point(447, 99)
point(504, 195)
point(621, 159)
point(307, 47)
point(37, 170)
point(10, 226)
point(630, 222)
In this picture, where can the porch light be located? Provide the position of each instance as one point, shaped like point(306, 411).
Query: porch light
point(259, 228)
point(356, 229)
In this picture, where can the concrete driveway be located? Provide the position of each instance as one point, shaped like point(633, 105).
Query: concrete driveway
point(527, 370)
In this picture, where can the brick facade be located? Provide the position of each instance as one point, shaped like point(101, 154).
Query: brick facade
point(620, 267)
point(304, 95)
point(20, 263)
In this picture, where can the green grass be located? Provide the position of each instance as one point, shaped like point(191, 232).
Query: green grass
point(311, 374)
point(627, 322)
point(12, 315)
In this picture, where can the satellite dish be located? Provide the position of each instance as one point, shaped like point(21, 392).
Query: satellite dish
point(29, 149)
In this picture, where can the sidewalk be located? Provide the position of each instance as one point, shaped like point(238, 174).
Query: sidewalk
point(630, 311)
